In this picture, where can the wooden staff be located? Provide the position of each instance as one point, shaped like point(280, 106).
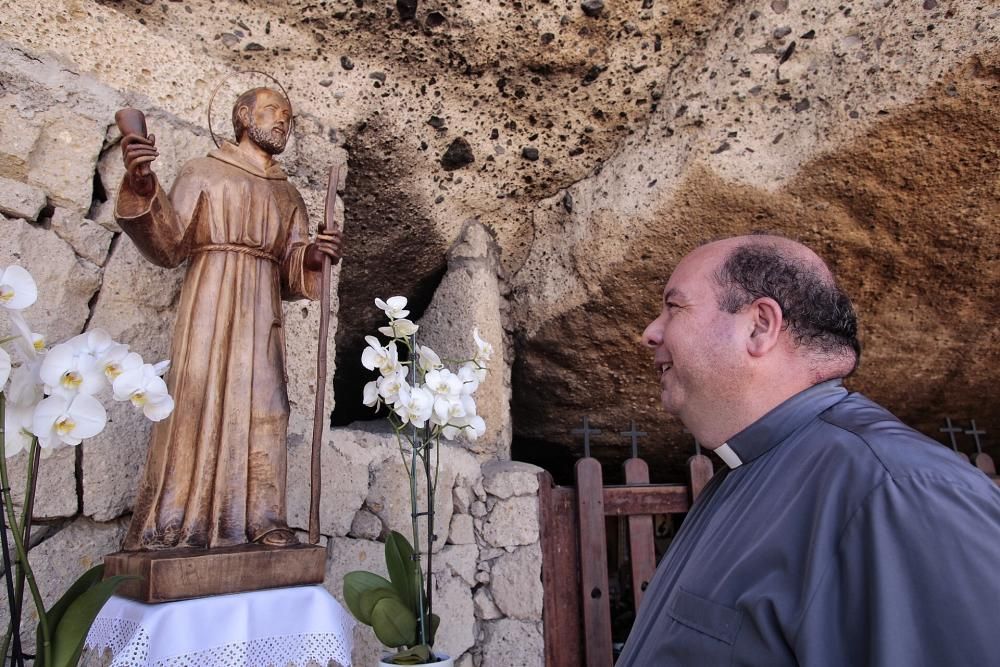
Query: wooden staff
point(319, 418)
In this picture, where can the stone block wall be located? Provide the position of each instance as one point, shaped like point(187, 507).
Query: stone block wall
point(486, 561)
point(60, 168)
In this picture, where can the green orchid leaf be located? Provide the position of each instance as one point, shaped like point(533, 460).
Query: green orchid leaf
point(370, 598)
point(402, 569)
point(418, 655)
point(69, 635)
point(86, 581)
point(357, 583)
point(394, 624)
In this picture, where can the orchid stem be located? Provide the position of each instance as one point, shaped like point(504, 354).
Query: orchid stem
point(22, 553)
point(430, 530)
point(9, 579)
point(27, 512)
point(14, 598)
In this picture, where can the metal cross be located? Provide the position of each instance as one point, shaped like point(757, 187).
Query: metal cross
point(635, 435)
point(587, 432)
point(951, 431)
point(975, 433)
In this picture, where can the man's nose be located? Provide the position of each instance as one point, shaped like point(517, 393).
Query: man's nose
point(652, 336)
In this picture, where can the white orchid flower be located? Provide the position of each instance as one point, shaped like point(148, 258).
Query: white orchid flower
point(427, 359)
point(484, 351)
point(66, 370)
point(17, 288)
point(442, 382)
point(385, 359)
point(470, 375)
point(162, 367)
point(38, 342)
point(472, 428)
point(17, 428)
point(415, 405)
point(25, 337)
point(460, 410)
point(25, 385)
point(96, 344)
point(389, 386)
point(370, 394)
point(446, 388)
point(385, 388)
point(59, 420)
point(457, 410)
point(5, 367)
point(399, 328)
point(394, 307)
point(117, 361)
point(476, 428)
point(146, 390)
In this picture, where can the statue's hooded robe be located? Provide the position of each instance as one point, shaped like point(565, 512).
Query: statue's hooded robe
point(215, 473)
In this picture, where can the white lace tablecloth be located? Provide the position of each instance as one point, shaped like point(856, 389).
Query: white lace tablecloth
point(302, 625)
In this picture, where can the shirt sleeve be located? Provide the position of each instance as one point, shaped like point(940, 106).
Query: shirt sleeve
point(914, 581)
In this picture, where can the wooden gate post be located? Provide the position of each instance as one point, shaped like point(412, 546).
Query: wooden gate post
point(593, 563)
point(700, 471)
point(560, 574)
point(642, 549)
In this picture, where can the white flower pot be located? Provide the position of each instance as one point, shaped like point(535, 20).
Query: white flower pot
point(443, 661)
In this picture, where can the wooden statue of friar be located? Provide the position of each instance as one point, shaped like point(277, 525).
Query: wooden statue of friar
point(215, 472)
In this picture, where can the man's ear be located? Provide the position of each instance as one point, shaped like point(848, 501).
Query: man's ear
point(243, 113)
point(766, 322)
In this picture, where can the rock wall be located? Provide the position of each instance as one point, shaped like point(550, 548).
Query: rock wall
point(538, 167)
point(57, 195)
point(600, 143)
point(487, 558)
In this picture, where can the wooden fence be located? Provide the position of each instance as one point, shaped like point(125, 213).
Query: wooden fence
point(577, 606)
point(574, 551)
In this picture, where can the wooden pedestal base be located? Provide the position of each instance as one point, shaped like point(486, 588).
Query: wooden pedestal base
point(179, 574)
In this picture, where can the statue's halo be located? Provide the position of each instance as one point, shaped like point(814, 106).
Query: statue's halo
point(230, 77)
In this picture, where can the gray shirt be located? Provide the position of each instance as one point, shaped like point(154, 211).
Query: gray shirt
point(842, 538)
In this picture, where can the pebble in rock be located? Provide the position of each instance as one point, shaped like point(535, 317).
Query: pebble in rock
point(592, 8)
point(407, 9)
point(529, 153)
point(458, 155)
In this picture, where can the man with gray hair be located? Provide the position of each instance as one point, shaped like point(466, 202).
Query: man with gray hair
point(835, 535)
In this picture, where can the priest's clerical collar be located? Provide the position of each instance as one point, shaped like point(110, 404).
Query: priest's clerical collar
point(774, 427)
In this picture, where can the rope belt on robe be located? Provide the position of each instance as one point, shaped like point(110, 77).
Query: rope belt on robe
point(234, 247)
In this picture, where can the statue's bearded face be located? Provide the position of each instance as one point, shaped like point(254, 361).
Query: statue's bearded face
point(269, 122)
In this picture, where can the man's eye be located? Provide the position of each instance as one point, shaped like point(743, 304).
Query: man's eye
point(671, 305)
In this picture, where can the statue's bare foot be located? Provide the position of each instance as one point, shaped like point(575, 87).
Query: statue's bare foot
point(279, 537)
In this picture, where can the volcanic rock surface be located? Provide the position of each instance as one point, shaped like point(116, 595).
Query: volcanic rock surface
point(599, 142)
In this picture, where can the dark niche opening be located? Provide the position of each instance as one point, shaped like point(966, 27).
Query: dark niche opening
point(350, 377)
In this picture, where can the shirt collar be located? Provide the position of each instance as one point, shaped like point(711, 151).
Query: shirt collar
point(779, 423)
